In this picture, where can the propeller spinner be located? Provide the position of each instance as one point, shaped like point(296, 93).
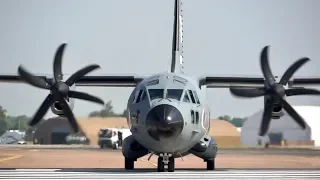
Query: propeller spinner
point(275, 91)
point(60, 91)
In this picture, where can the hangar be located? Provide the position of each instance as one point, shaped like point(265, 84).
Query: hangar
point(284, 129)
point(55, 130)
point(52, 131)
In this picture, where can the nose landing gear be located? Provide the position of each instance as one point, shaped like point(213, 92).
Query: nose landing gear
point(165, 159)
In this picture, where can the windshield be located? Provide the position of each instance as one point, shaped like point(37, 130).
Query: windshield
point(174, 94)
point(105, 133)
point(155, 93)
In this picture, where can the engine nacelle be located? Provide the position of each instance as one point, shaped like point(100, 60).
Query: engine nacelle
point(277, 111)
point(56, 108)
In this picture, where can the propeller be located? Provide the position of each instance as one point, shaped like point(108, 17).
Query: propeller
point(59, 91)
point(275, 92)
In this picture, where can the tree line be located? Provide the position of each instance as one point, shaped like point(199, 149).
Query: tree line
point(20, 122)
point(236, 121)
point(13, 122)
point(107, 111)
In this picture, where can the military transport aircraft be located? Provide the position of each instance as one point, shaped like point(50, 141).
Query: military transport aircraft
point(167, 112)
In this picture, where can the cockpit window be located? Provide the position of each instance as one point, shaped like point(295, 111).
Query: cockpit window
point(155, 93)
point(191, 96)
point(139, 96)
point(196, 97)
point(174, 94)
point(186, 97)
point(144, 96)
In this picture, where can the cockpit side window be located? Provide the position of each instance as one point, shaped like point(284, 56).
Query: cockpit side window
point(156, 93)
point(144, 96)
point(186, 97)
point(191, 96)
point(139, 96)
point(196, 97)
point(174, 94)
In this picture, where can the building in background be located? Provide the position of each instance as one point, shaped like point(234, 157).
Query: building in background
point(284, 129)
point(56, 130)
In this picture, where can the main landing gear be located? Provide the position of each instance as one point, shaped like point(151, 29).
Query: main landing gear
point(165, 159)
point(211, 165)
point(128, 163)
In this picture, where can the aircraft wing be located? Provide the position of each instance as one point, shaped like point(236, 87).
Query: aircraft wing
point(305, 81)
point(92, 80)
point(231, 81)
point(247, 81)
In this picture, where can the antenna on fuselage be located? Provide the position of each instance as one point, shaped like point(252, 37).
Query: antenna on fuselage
point(177, 40)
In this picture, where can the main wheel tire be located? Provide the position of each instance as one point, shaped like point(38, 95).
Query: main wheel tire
point(211, 164)
point(171, 165)
point(128, 164)
point(160, 164)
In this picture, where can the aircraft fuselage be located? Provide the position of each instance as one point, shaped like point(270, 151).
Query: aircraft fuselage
point(167, 113)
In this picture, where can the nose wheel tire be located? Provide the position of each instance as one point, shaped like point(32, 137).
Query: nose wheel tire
point(171, 164)
point(211, 164)
point(160, 164)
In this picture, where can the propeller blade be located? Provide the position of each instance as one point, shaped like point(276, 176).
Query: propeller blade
point(57, 63)
point(42, 110)
point(292, 69)
point(248, 92)
point(85, 96)
point(265, 67)
point(301, 91)
point(77, 75)
point(32, 79)
point(68, 112)
point(293, 113)
point(266, 117)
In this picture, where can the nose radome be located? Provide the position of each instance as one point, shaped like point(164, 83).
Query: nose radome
point(164, 122)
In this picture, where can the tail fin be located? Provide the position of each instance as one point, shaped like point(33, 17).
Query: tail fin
point(177, 41)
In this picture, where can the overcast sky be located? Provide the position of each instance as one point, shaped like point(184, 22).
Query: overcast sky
point(221, 38)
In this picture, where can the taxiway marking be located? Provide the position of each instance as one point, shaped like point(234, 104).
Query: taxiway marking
point(149, 162)
point(12, 157)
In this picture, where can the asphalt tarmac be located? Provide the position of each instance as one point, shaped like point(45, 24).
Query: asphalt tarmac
point(253, 151)
point(48, 164)
point(149, 174)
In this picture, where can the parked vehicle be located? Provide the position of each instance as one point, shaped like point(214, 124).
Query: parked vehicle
point(112, 137)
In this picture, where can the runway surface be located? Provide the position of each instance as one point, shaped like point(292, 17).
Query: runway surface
point(149, 174)
point(270, 151)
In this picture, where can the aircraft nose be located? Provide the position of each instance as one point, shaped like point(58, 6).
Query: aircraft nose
point(164, 122)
